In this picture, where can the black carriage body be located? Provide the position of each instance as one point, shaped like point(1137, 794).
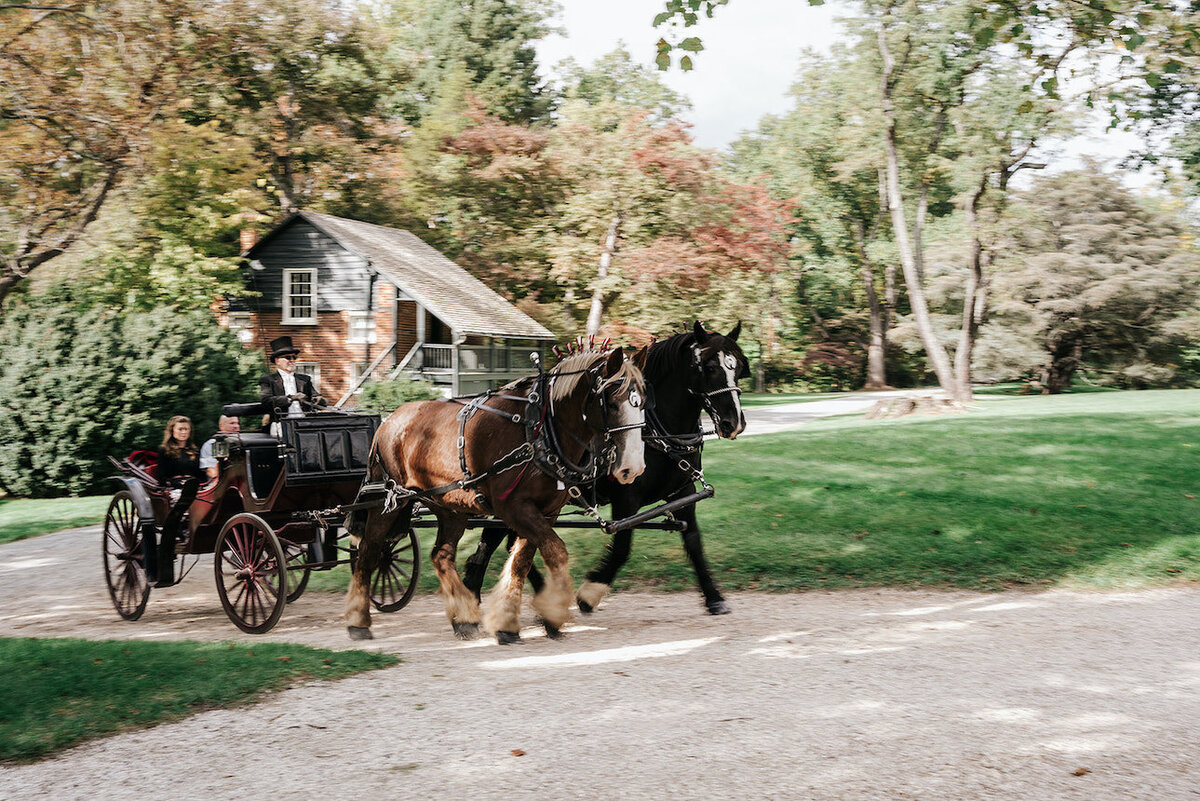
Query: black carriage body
point(317, 464)
point(271, 517)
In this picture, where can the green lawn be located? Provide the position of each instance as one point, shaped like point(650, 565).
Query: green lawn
point(1091, 489)
point(58, 693)
point(27, 518)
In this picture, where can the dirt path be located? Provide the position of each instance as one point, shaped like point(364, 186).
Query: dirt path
point(848, 695)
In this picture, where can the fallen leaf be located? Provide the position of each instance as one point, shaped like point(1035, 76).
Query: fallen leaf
point(861, 534)
point(1033, 511)
point(1081, 772)
point(1126, 544)
point(1190, 497)
point(517, 752)
point(1174, 570)
point(285, 659)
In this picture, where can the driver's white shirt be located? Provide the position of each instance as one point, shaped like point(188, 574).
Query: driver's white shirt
point(289, 388)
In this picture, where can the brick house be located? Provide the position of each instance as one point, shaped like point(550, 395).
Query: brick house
point(364, 301)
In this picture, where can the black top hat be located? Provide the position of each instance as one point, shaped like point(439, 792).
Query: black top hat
point(282, 347)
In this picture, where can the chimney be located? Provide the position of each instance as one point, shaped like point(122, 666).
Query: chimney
point(247, 238)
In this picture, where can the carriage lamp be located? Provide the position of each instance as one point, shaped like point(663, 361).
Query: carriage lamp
point(221, 448)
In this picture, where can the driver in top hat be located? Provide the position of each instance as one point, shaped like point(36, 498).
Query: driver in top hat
point(284, 389)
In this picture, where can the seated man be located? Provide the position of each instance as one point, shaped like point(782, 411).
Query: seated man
point(284, 389)
point(208, 463)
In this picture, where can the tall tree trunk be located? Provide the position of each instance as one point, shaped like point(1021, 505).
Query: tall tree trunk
point(910, 260)
point(599, 288)
point(1065, 356)
point(972, 311)
point(877, 342)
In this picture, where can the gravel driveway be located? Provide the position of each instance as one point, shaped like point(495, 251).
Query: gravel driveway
point(880, 694)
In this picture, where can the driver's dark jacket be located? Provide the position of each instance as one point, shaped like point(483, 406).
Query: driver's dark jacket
point(272, 393)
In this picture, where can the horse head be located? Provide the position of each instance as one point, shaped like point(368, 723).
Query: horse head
point(720, 364)
point(605, 392)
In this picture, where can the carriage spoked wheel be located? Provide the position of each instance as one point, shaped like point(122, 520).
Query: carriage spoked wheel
point(393, 584)
point(251, 573)
point(296, 560)
point(123, 569)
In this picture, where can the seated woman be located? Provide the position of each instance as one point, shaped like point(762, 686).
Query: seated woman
point(179, 468)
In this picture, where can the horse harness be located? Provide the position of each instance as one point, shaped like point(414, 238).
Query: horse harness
point(542, 448)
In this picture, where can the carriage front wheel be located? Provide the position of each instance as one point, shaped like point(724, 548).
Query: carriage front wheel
point(393, 584)
point(123, 569)
point(251, 573)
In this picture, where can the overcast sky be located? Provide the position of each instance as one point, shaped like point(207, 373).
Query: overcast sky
point(749, 61)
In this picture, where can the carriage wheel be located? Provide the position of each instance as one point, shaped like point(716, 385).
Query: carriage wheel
point(123, 569)
point(251, 577)
point(295, 554)
point(393, 584)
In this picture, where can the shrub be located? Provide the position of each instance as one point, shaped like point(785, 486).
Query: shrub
point(79, 385)
point(395, 392)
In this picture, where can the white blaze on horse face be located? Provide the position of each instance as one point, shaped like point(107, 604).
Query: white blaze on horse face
point(729, 363)
point(631, 453)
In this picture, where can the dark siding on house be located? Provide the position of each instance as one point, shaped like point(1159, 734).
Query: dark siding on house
point(342, 279)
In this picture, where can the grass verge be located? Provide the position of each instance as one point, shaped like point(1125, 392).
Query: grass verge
point(28, 517)
point(60, 692)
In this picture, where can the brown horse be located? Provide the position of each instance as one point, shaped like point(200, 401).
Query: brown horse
point(514, 454)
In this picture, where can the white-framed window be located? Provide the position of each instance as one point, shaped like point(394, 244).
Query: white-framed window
point(300, 296)
point(362, 327)
point(313, 371)
point(356, 371)
point(239, 324)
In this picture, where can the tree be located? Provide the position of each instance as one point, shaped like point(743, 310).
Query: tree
point(490, 42)
point(57, 427)
point(305, 83)
point(930, 57)
point(81, 87)
point(822, 153)
point(1095, 279)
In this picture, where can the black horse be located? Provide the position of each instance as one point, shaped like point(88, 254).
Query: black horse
point(685, 375)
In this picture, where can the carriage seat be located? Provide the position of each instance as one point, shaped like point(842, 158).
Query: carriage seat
point(145, 462)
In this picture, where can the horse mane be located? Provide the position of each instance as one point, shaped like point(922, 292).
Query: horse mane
point(669, 355)
point(675, 352)
point(571, 371)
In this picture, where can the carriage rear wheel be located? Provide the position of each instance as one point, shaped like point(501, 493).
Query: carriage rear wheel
point(296, 557)
point(123, 569)
point(251, 573)
point(393, 584)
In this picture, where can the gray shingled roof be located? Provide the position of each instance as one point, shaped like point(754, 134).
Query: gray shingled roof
point(458, 298)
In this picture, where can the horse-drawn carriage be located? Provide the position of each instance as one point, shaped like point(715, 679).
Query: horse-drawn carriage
point(506, 461)
point(271, 517)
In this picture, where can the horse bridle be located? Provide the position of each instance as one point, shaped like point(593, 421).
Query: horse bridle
point(605, 454)
point(706, 397)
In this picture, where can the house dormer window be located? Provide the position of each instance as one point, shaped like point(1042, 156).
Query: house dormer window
point(300, 296)
point(362, 327)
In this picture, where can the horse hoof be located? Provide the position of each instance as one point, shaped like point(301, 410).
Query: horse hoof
point(552, 631)
point(718, 608)
point(466, 631)
point(584, 606)
point(508, 637)
point(360, 633)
